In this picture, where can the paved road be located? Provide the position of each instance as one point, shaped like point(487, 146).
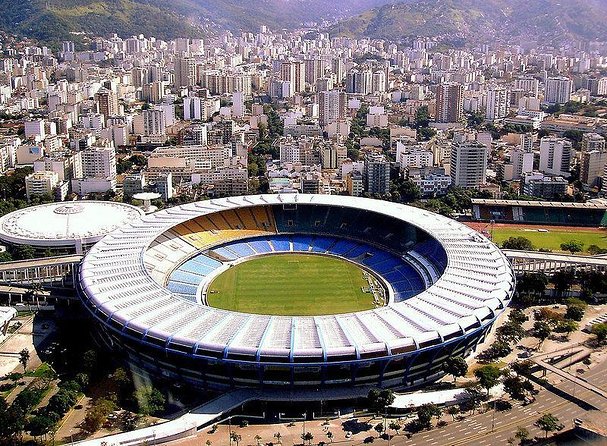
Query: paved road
point(473, 430)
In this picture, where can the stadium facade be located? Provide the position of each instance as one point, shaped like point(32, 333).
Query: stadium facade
point(144, 285)
point(67, 227)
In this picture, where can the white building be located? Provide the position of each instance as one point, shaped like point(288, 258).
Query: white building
point(468, 164)
point(41, 183)
point(558, 90)
point(522, 162)
point(556, 156)
point(35, 129)
point(332, 106)
point(498, 101)
point(194, 108)
point(413, 155)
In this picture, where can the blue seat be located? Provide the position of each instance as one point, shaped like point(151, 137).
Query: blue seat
point(225, 253)
point(322, 244)
point(342, 247)
point(301, 243)
point(182, 288)
point(185, 277)
point(260, 246)
point(281, 244)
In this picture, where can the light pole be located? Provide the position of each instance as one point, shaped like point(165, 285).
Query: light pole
point(493, 417)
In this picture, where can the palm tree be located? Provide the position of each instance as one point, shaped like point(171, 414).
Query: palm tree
point(258, 439)
point(234, 437)
point(278, 437)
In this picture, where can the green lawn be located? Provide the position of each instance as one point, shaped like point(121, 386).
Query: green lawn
point(553, 238)
point(291, 285)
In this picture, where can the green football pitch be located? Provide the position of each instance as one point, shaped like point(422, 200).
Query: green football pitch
point(551, 238)
point(291, 285)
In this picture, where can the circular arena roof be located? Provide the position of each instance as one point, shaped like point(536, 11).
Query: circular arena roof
point(121, 280)
point(65, 224)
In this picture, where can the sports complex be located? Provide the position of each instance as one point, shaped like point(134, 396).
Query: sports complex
point(295, 291)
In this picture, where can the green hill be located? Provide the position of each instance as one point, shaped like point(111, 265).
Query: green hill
point(52, 20)
point(482, 20)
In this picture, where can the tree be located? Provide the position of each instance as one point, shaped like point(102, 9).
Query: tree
point(379, 428)
point(517, 387)
point(575, 309)
point(24, 357)
point(380, 399)
point(24, 252)
point(510, 332)
point(97, 414)
point(600, 331)
point(541, 330)
point(594, 250)
point(474, 397)
point(522, 434)
point(307, 437)
point(42, 424)
point(395, 426)
point(567, 327)
point(258, 439)
point(549, 423)
point(234, 437)
point(520, 243)
point(150, 400)
point(330, 436)
point(517, 316)
point(453, 411)
point(455, 366)
point(12, 421)
point(278, 437)
point(89, 360)
point(572, 246)
point(425, 413)
point(488, 376)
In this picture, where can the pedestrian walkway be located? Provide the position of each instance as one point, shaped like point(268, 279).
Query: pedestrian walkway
point(181, 427)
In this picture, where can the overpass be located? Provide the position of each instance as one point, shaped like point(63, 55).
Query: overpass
point(60, 270)
point(548, 262)
point(541, 361)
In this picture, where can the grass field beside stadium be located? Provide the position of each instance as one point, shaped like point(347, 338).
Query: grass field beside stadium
point(553, 238)
point(291, 285)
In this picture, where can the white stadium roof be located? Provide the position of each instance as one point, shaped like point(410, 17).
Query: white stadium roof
point(475, 286)
point(65, 223)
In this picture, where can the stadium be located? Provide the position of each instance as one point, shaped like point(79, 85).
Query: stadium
point(219, 293)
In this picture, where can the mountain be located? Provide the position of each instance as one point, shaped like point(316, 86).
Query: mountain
point(482, 20)
point(51, 20)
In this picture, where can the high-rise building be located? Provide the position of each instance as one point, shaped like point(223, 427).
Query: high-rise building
point(185, 72)
point(150, 123)
point(498, 101)
point(558, 90)
point(539, 185)
point(238, 107)
point(527, 84)
point(556, 155)
point(294, 72)
point(359, 82)
point(592, 166)
point(194, 108)
point(99, 162)
point(332, 106)
point(593, 141)
point(377, 174)
point(522, 162)
point(468, 164)
point(41, 183)
point(107, 103)
point(449, 102)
